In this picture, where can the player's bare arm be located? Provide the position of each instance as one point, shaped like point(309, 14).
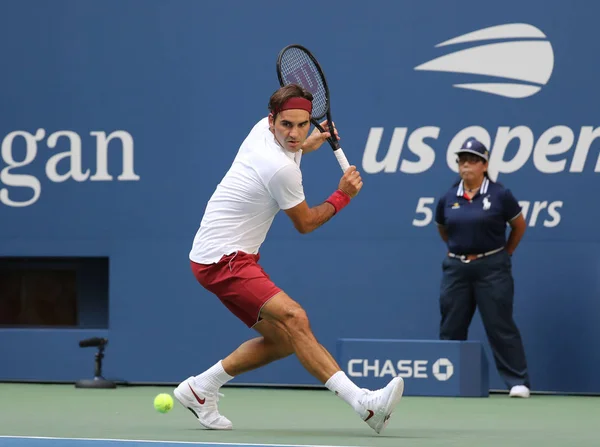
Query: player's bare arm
point(317, 138)
point(308, 219)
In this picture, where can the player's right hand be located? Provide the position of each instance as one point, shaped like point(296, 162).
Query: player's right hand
point(351, 182)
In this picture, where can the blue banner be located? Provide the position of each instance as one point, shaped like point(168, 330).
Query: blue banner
point(120, 118)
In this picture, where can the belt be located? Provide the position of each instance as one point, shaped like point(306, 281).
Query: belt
point(469, 258)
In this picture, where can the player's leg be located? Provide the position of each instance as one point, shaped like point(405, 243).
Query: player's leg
point(289, 317)
point(247, 291)
point(200, 393)
point(375, 407)
point(274, 344)
point(278, 340)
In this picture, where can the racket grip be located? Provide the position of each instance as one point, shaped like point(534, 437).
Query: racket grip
point(341, 158)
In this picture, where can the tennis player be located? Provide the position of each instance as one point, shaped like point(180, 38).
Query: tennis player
point(265, 177)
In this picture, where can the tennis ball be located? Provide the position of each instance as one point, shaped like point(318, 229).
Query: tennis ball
point(163, 403)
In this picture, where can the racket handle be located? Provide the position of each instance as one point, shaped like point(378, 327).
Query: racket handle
point(341, 158)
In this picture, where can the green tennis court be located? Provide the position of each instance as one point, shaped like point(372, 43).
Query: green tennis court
point(289, 417)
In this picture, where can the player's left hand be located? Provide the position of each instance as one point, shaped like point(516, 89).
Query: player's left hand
point(316, 138)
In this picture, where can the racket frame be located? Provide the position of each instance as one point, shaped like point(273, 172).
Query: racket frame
point(332, 140)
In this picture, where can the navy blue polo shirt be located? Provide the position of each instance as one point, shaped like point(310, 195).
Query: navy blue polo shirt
point(477, 225)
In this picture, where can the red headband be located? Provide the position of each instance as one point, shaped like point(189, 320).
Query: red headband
point(295, 103)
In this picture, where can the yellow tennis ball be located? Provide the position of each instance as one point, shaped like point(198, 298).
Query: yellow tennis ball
point(163, 403)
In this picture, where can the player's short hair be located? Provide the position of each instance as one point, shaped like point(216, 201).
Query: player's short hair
point(284, 93)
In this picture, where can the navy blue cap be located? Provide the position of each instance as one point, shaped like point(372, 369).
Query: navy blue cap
point(473, 146)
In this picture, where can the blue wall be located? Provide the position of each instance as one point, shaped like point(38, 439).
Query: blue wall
point(179, 84)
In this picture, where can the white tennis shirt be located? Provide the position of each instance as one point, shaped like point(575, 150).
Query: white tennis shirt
point(263, 178)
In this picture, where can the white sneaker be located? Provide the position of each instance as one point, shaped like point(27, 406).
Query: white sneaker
point(379, 405)
point(519, 391)
point(202, 404)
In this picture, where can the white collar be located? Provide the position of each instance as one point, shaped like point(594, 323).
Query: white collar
point(482, 189)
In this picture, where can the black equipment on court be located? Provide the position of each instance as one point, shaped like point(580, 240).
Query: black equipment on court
point(98, 381)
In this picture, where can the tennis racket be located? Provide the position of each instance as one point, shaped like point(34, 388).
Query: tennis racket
point(297, 65)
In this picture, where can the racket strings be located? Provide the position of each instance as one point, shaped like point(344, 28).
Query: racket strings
point(298, 68)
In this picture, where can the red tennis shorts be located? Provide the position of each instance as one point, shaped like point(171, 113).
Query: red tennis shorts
point(239, 282)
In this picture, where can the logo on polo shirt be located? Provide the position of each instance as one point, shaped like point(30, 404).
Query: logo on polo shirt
point(521, 55)
point(486, 203)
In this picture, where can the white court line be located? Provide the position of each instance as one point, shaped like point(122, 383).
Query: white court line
point(172, 442)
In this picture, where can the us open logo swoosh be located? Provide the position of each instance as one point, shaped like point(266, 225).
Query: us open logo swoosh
point(529, 61)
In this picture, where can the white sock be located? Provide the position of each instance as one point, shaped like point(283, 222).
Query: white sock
point(343, 387)
point(213, 378)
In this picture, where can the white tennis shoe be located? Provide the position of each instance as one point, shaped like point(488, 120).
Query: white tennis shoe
point(378, 406)
point(519, 391)
point(202, 404)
